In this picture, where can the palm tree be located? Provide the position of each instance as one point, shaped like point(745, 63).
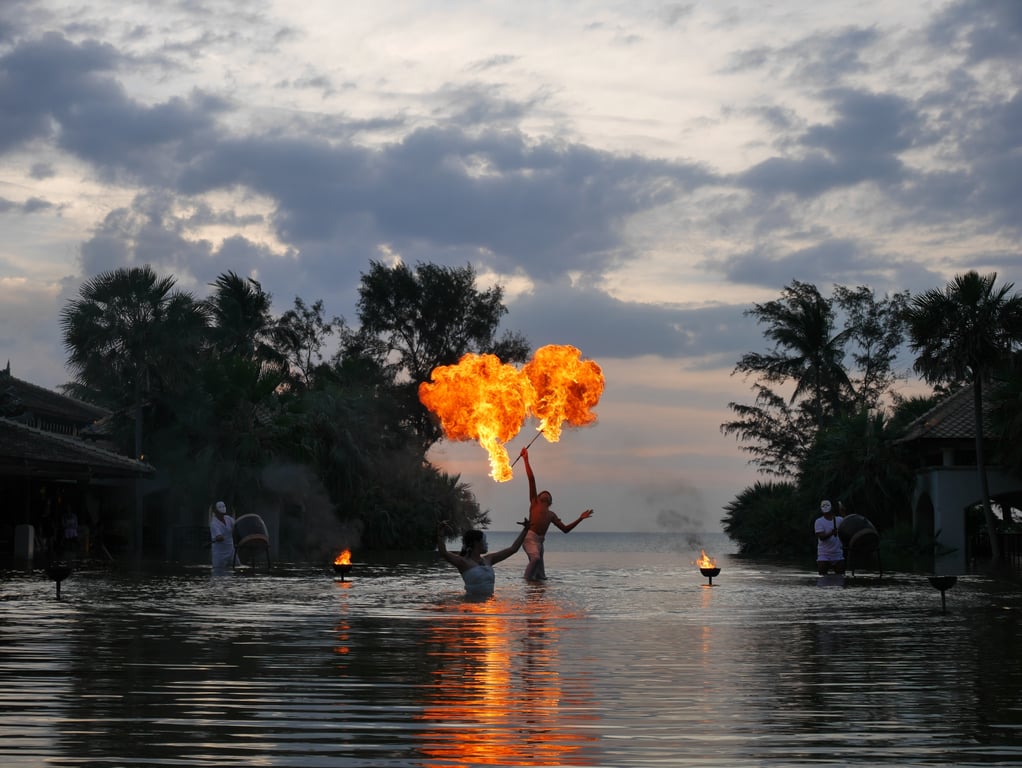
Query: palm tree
point(1006, 415)
point(963, 333)
point(242, 324)
point(127, 335)
point(806, 350)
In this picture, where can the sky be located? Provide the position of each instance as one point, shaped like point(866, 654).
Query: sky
point(636, 175)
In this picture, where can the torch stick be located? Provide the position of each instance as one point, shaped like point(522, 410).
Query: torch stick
point(526, 448)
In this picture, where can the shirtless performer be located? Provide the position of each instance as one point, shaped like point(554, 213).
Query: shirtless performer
point(540, 518)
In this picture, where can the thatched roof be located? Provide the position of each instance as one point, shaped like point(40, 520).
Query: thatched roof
point(35, 405)
point(25, 450)
point(952, 419)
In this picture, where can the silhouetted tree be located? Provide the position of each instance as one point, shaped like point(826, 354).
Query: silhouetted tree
point(965, 332)
point(428, 317)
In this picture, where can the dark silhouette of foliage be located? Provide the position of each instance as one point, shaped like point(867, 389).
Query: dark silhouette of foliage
point(770, 519)
point(428, 317)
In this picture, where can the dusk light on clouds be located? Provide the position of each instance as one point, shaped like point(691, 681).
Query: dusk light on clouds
point(635, 174)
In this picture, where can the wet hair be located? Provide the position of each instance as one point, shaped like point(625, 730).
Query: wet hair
point(469, 539)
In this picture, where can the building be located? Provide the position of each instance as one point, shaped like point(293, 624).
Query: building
point(54, 464)
point(947, 483)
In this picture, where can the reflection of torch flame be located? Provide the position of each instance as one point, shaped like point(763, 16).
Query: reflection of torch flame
point(342, 563)
point(485, 400)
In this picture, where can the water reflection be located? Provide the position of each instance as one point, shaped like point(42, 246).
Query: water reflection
point(497, 695)
point(622, 659)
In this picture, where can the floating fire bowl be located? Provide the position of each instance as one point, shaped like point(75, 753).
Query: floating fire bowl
point(342, 569)
point(58, 572)
point(342, 564)
point(710, 573)
point(943, 583)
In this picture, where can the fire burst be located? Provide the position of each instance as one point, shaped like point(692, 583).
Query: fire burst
point(486, 400)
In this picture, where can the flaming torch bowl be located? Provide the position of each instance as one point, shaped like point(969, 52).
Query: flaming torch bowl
point(943, 583)
point(709, 573)
point(707, 566)
point(342, 564)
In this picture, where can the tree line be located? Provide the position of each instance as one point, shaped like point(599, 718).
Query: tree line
point(826, 418)
point(213, 392)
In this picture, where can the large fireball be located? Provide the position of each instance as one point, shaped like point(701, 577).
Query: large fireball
point(567, 388)
point(480, 399)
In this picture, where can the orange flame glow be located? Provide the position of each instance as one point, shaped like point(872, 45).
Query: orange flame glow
point(567, 388)
point(706, 561)
point(480, 399)
point(344, 558)
point(486, 400)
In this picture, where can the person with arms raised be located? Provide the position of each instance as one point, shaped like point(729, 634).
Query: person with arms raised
point(541, 516)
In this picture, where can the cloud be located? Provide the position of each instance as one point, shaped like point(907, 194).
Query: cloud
point(984, 29)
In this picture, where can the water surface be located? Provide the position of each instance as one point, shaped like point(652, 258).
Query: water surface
point(627, 656)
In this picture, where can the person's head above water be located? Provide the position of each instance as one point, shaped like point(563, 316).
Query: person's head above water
point(470, 538)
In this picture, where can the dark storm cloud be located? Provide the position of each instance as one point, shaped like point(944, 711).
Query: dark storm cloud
point(602, 326)
point(985, 29)
point(550, 206)
point(153, 230)
point(861, 143)
point(45, 76)
point(830, 261)
point(51, 88)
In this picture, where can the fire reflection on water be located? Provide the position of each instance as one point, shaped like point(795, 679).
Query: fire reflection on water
point(498, 697)
point(343, 628)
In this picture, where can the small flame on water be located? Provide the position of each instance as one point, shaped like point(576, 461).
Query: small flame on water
point(706, 561)
point(344, 558)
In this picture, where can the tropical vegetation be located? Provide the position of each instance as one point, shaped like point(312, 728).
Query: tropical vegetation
point(826, 416)
point(229, 402)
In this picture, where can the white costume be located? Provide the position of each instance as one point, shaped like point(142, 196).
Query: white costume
point(828, 550)
point(533, 546)
point(479, 579)
point(223, 550)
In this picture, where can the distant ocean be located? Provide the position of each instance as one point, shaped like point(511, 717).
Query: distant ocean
point(626, 656)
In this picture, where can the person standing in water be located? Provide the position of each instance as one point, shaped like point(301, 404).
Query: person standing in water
point(540, 518)
point(473, 562)
point(830, 553)
point(221, 534)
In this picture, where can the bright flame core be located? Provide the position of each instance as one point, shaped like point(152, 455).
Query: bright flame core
point(706, 561)
point(567, 388)
point(344, 558)
point(480, 398)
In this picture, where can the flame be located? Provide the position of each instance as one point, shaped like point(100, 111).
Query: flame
point(344, 558)
point(482, 399)
point(706, 561)
point(567, 388)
